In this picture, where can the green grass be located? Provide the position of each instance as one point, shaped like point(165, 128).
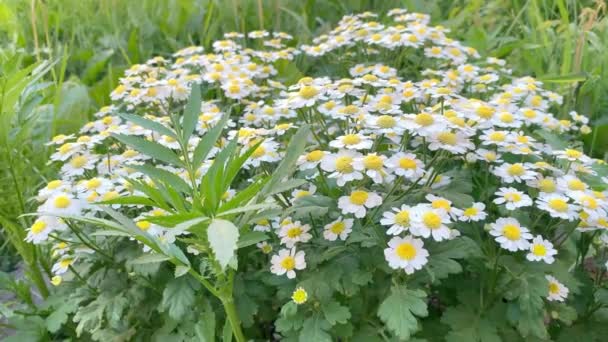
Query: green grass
point(91, 42)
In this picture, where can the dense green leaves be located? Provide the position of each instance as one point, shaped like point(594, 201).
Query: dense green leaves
point(178, 297)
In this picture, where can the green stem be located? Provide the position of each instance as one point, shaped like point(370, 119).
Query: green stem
point(233, 318)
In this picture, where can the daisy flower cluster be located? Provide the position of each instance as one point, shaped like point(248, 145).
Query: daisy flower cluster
point(403, 159)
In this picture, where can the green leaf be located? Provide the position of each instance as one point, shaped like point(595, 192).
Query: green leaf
point(150, 148)
point(129, 200)
point(294, 150)
point(251, 238)
point(191, 112)
point(181, 270)
point(399, 310)
point(315, 329)
point(469, 326)
point(149, 258)
point(208, 141)
point(160, 175)
point(149, 124)
point(442, 263)
point(335, 313)
point(223, 237)
point(205, 328)
point(527, 312)
point(178, 297)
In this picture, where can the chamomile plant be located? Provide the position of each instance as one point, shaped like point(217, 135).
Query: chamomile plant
point(407, 188)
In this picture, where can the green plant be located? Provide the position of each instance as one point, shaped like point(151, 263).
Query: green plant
point(436, 197)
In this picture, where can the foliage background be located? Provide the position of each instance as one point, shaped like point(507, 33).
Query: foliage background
point(89, 44)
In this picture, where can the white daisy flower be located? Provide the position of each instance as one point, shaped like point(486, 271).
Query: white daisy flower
point(40, 230)
point(557, 291)
point(341, 166)
point(510, 234)
point(287, 261)
point(517, 172)
point(62, 265)
point(558, 206)
point(339, 228)
point(474, 213)
point(358, 202)
point(373, 166)
point(406, 165)
point(311, 159)
point(293, 233)
point(62, 204)
point(541, 250)
point(512, 198)
point(352, 141)
point(398, 219)
point(427, 221)
point(407, 253)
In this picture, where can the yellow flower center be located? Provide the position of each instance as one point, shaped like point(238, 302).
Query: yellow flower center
point(314, 156)
point(497, 136)
point(344, 164)
point(288, 263)
point(351, 139)
point(234, 88)
point(573, 153)
point(553, 288)
point(110, 195)
point(424, 119)
point(506, 117)
point(259, 152)
point(299, 296)
point(407, 163)
point(485, 112)
point(143, 225)
point(513, 197)
point(558, 204)
point(65, 263)
point(386, 121)
point(576, 185)
point(511, 232)
point(308, 92)
point(447, 138)
point(93, 183)
point(62, 202)
point(402, 218)
point(441, 204)
point(38, 227)
point(547, 185)
point(469, 212)
point(78, 161)
point(294, 232)
point(431, 220)
point(539, 249)
point(338, 227)
point(406, 251)
point(54, 184)
point(372, 162)
point(359, 197)
point(516, 169)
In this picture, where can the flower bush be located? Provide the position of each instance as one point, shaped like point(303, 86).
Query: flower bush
point(405, 188)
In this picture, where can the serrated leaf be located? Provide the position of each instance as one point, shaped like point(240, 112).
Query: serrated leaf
point(178, 297)
point(223, 237)
point(335, 313)
point(400, 309)
point(315, 329)
point(466, 325)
